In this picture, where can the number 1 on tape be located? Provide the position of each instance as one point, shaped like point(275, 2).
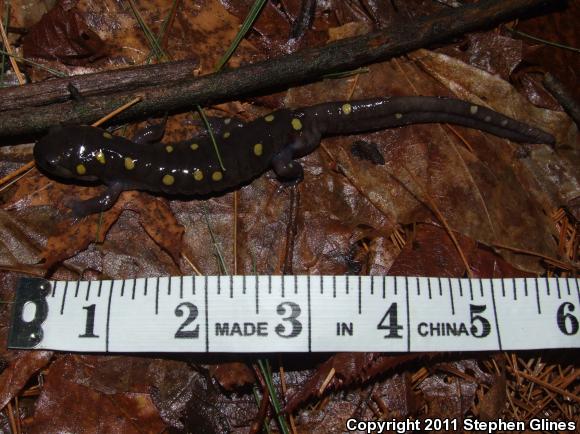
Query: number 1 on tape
point(296, 314)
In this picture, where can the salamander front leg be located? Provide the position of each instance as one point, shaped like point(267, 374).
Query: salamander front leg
point(219, 126)
point(151, 134)
point(100, 203)
point(286, 168)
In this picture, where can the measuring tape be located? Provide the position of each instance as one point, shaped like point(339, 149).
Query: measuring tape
point(257, 314)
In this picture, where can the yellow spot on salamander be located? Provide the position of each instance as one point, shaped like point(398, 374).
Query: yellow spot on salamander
point(168, 180)
point(258, 149)
point(347, 109)
point(487, 119)
point(129, 163)
point(169, 148)
point(226, 134)
point(473, 109)
point(296, 124)
point(198, 175)
point(504, 122)
point(194, 146)
point(81, 169)
point(217, 175)
point(101, 157)
point(227, 121)
point(107, 135)
point(269, 118)
point(399, 115)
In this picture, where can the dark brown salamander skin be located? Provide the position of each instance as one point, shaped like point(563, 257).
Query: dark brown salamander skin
point(247, 150)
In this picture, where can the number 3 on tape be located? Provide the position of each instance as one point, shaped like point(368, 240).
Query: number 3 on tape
point(296, 314)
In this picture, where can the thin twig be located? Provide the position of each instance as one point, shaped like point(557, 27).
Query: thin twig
point(561, 264)
point(20, 171)
point(10, 416)
point(326, 381)
point(572, 396)
point(117, 111)
point(193, 267)
point(563, 95)
point(543, 41)
point(6, 43)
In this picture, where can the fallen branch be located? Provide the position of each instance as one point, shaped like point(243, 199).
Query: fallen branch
point(101, 83)
point(299, 67)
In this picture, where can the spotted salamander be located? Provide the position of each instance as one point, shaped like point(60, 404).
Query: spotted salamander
point(247, 149)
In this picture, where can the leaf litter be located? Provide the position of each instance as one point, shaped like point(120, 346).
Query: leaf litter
point(368, 217)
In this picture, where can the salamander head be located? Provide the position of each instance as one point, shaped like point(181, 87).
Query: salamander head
point(68, 152)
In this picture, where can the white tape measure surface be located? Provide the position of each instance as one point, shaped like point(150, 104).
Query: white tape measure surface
point(257, 314)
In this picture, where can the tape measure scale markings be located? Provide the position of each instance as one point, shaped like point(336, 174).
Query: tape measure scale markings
point(247, 314)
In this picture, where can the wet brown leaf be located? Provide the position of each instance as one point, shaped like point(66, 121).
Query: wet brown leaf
point(431, 252)
point(450, 395)
point(396, 396)
point(66, 236)
point(271, 32)
point(125, 412)
point(549, 176)
point(19, 367)
point(343, 370)
point(232, 375)
point(62, 34)
point(489, 51)
point(491, 405)
point(72, 239)
point(159, 223)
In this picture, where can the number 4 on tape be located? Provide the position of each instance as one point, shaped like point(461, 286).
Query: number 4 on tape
point(296, 314)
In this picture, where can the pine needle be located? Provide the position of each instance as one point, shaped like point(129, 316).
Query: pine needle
point(218, 252)
point(543, 41)
point(246, 25)
point(151, 38)
point(267, 374)
point(54, 72)
point(19, 75)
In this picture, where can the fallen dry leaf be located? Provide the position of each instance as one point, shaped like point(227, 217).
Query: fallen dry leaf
point(232, 375)
point(125, 412)
point(431, 252)
point(62, 34)
point(491, 405)
point(19, 367)
point(345, 369)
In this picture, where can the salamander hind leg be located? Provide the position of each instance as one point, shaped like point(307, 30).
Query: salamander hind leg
point(284, 163)
point(288, 170)
point(100, 203)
